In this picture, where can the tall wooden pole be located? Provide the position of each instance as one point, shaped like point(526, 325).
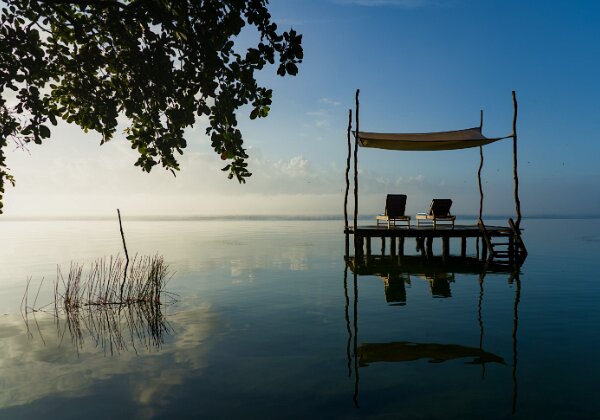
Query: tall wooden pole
point(348, 158)
point(480, 168)
point(480, 185)
point(356, 172)
point(347, 182)
point(516, 176)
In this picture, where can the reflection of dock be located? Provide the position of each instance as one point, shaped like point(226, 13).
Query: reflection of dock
point(397, 271)
point(415, 264)
point(439, 272)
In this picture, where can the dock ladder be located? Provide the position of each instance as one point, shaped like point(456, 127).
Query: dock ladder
point(510, 251)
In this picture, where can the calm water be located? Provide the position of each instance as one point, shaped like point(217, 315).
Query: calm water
point(267, 322)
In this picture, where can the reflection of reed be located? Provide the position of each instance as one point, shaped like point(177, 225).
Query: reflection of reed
point(116, 329)
point(99, 306)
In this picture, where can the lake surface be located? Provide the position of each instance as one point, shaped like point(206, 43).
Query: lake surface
point(266, 321)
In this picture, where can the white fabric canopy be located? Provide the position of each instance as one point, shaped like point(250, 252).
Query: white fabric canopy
point(444, 140)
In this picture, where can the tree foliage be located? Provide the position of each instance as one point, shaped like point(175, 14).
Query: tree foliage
point(159, 64)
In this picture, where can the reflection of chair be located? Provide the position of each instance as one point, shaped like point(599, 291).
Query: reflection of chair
point(439, 284)
point(395, 289)
point(395, 204)
point(438, 212)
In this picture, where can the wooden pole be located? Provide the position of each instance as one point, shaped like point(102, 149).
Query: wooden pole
point(347, 181)
point(479, 181)
point(445, 246)
point(356, 169)
point(516, 176)
point(479, 177)
point(126, 255)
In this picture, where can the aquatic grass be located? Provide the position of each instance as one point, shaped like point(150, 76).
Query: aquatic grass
point(115, 303)
point(107, 282)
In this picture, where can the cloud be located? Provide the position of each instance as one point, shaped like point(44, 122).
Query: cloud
point(296, 166)
point(329, 101)
point(52, 368)
point(320, 118)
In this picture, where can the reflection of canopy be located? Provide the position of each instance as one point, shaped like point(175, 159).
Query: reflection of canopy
point(444, 140)
point(404, 351)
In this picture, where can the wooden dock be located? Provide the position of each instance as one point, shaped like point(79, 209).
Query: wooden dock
point(486, 236)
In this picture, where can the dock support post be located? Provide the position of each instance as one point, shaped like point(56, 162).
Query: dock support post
point(484, 251)
point(445, 247)
point(347, 243)
point(430, 247)
point(383, 245)
point(368, 239)
point(359, 246)
point(463, 246)
point(420, 245)
point(401, 246)
point(393, 246)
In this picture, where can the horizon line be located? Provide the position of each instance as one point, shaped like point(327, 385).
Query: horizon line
point(265, 217)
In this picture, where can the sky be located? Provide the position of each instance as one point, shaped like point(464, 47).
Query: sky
point(420, 65)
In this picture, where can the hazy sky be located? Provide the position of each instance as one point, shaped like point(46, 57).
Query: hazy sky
point(421, 65)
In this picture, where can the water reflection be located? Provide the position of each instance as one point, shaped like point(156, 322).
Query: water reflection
point(440, 273)
point(404, 351)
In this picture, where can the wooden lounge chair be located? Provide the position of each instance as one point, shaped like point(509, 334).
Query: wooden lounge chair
point(395, 204)
point(438, 212)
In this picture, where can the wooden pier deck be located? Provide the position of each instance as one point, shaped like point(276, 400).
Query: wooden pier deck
point(424, 236)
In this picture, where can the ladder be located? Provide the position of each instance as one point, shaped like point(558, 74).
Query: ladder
point(512, 248)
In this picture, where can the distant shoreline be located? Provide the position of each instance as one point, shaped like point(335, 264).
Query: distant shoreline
point(325, 217)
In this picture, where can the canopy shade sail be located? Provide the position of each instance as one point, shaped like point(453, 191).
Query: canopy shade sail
point(444, 140)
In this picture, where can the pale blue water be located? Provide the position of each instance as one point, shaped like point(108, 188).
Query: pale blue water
point(264, 327)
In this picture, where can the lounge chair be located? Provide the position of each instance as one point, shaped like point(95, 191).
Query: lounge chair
point(395, 204)
point(438, 212)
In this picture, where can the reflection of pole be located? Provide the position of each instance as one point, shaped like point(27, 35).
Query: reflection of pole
point(356, 378)
point(347, 315)
point(480, 319)
point(347, 181)
point(514, 338)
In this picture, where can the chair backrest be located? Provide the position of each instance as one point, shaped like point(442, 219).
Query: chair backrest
point(440, 207)
point(395, 205)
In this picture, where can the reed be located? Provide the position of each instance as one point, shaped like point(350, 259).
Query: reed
point(112, 302)
point(102, 284)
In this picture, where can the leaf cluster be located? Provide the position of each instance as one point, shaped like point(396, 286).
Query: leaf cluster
point(159, 65)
